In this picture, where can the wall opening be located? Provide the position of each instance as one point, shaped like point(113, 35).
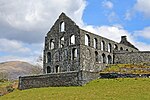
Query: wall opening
point(74, 54)
point(62, 42)
point(127, 50)
point(115, 47)
point(48, 69)
point(62, 27)
point(109, 59)
point(95, 43)
point(96, 56)
point(51, 45)
point(103, 58)
point(57, 69)
point(109, 47)
point(103, 46)
point(121, 48)
point(72, 39)
point(48, 57)
point(87, 40)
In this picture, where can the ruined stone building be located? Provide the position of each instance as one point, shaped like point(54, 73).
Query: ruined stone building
point(69, 48)
point(73, 56)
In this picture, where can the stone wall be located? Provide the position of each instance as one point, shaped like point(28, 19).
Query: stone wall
point(57, 79)
point(132, 57)
point(117, 75)
point(62, 56)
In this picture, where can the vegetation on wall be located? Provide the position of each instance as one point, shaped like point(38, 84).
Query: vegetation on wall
point(142, 68)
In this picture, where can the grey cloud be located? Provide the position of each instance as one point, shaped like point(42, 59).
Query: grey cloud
point(29, 20)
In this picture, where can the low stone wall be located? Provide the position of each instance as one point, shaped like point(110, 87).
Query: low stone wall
point(87, 76)
point(132, 57)
point(57, 79)
point(116, 75)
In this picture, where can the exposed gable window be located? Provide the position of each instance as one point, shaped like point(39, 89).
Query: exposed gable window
point(72, 39)
point(103, 46)
point(57, 69)
point(87, 40)
point(121, 48)
point(62, 27)
point(115, 47)
point(62, 42)
point(48, 57)
point(109, 59)
point(103, 58)
point(109, 47)
point(74, 54)
point(48, 69)
point(96, 56)
point(51, 45)
point(95, 43)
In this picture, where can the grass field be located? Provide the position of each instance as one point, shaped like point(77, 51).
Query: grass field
point(128, 68)
point(101, 89)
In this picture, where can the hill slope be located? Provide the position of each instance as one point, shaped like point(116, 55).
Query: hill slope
point(101, 89)
point(128, 69)
point(14, 69)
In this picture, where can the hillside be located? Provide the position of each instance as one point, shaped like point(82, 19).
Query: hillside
point(101, 89)
point(128, 69)
point(14, 69)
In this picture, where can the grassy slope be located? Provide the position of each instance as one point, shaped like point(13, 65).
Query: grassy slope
point(128, 68)
point(101, 89)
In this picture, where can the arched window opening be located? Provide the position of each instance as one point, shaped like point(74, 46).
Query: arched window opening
point(72, 39)
point(103, 58)
point(121, 48)
point(109, 47)
point(57, 69)
point(103, 46)
point(127, 50)
point(87, 40)
point(109, 59)
point(62, 27)
point(95, 43)
point(48, 57)
point(96, 56)
point(48, 69)
point(51, 44)
point(115, 47)
point(74, 54)
point(62, 42)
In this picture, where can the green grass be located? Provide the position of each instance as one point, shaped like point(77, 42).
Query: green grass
point(127, 68)
point(4, 84)
point(101, 89)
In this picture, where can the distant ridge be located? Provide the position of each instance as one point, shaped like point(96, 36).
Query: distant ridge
point(13, 69)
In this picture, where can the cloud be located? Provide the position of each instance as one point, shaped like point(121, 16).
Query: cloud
point(111, 32)
point(11, 50)
point(24, 24)
point(12, 46)
point(21, 19)
point(115, 32)
point(143, 33)
point(143, 6)
point(143, 46)
point(107, 4)
point(129, 14)
point(113, 17)
point(30, 59)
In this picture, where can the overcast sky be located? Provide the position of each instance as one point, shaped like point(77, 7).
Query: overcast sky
point(24, 23)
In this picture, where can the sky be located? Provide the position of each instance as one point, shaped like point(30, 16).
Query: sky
point(24, 23)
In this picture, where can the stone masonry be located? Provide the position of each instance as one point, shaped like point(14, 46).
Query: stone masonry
point(73, 56)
